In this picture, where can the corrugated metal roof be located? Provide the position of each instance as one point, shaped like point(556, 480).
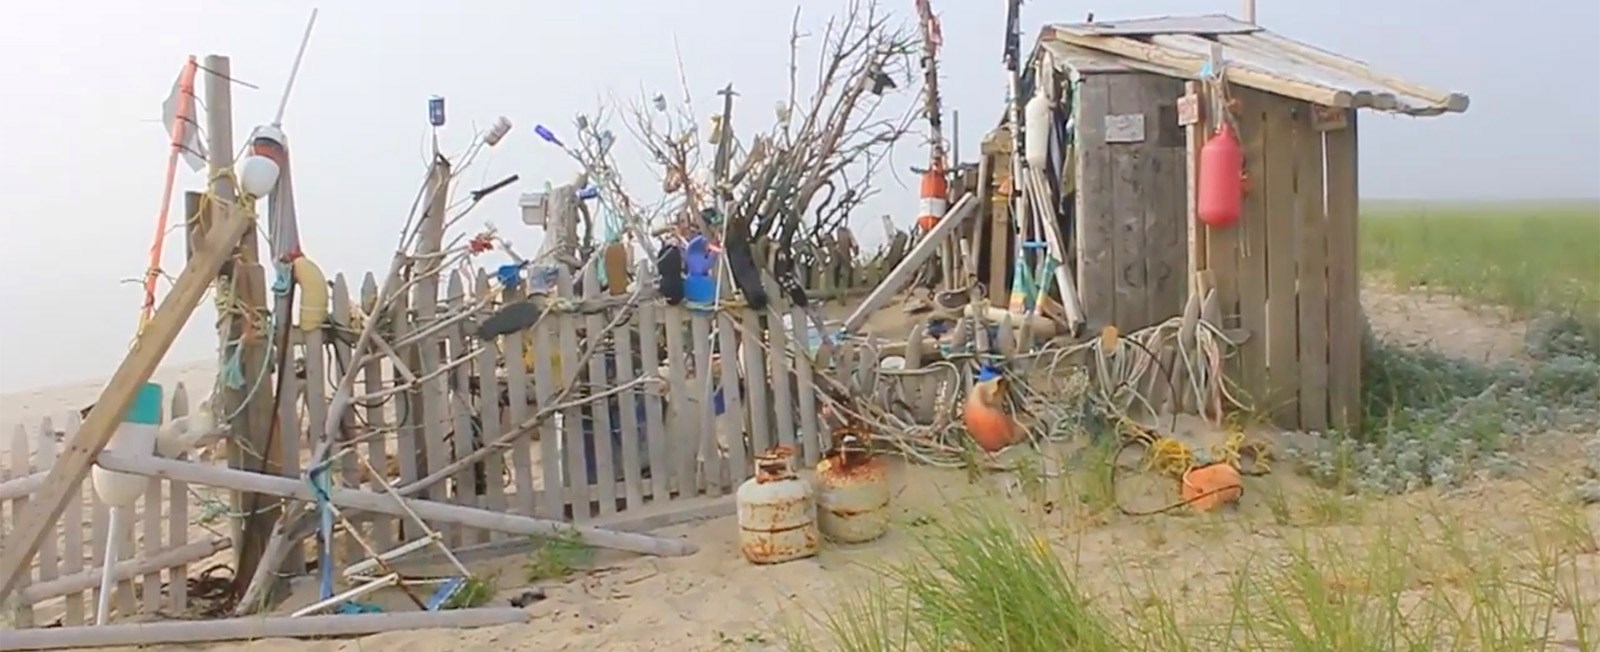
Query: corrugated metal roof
point(1253, 57)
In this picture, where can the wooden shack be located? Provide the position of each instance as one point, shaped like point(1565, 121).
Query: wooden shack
point(1128, 123)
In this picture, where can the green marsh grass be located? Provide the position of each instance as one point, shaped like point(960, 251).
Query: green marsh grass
point(1533, 259)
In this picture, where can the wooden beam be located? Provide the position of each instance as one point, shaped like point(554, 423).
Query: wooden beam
point(125, 569)
point(427, 510)
point(907, 269)
point(60, 486)
point(236, 629)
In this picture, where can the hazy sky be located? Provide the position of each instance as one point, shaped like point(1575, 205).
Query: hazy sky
point(84, 82)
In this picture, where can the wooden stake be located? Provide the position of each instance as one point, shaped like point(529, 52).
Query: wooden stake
point(60, 486)
point(251, 405)
point(473, 517)
point(907, 269)
point(233, 629)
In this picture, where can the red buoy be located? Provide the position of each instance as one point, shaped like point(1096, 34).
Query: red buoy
point(1221, 179)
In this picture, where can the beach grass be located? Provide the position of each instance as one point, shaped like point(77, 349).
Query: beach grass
point(1531, 258)
point(1337, 568)
point(1408, 575)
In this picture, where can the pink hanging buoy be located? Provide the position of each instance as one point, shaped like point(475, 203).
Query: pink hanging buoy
point(1221, 181)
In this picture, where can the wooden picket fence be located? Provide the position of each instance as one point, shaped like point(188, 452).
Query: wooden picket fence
point(686, 439)
point(64, 582)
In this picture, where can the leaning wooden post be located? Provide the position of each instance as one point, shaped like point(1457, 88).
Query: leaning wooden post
point(243, 342)
point(60, 486)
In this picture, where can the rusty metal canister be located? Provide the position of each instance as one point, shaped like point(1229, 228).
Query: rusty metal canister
point(853, 494)
point(777, 512)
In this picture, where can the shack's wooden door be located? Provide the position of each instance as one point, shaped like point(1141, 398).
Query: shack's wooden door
point(1132, 247)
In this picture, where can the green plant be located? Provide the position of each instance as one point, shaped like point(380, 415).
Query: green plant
point(981, 581)
point(477, 591)
point(556, 557)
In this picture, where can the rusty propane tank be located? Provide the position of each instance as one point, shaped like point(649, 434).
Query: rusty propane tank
point(777, 512)
point(853, 493)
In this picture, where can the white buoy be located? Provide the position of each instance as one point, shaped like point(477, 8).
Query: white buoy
point(1036, 131)
point(135, 436)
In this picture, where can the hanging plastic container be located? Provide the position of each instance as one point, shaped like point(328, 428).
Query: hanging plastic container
point(498, 131)
point(777, 512)
point(852, 493)
point(1221, 181)
point(136, 435)
point(436, 111)
point(699, 286)
point(1036, 131)
point(984, 415)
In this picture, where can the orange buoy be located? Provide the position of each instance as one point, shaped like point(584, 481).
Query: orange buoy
point(933, 198)
point(1206, 488)
point(986, 421)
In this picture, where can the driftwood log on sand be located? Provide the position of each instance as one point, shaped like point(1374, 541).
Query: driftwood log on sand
point(234, 629)
point(213, 476)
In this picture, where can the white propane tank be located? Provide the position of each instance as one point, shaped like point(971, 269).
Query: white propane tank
point(1036, 131)
point(777, 512)
point(135, 436)
point(853, 494)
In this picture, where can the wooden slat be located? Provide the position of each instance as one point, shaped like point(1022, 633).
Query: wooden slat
point(1283, 346)
point(150, 522)
point(734, 437)
point(22, 614)
point(703, 402)
point(1194, 137)
point(459, 398)
point(662, 464)
point(1165, 213)
point(316, 397)
point(1311, 269)
point(125, 601)
point(516, 355)
point(599, 424)
point(177, 519)
point(74, 550)
point(408, 412)
point(628, 414)
point(1344, 280)
point(1097, 261)
point(1247, 284)
point(805, 391)
point(1129, 197)
point(489, 413)
point(343, 355)
point(50, 553)
point(383, 527)
point(432, 407)
point(758, 381)
point(683, 429)
point(572, 418)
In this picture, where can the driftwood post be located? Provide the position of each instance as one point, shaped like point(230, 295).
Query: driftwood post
point(250, 405)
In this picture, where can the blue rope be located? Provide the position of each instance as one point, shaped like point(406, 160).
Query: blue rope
point(318, 478)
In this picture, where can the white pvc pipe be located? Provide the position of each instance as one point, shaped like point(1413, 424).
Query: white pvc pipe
point(119, 519)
